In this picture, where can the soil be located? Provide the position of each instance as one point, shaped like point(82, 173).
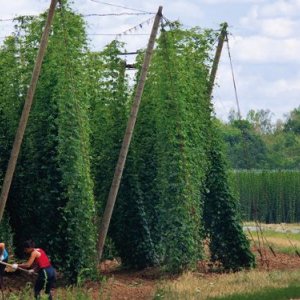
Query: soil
point(141, 285)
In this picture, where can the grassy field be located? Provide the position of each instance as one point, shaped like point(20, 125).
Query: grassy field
point(72, 293)
point(274, 285)
point(239, 285)
point(245, 285)
point(288, 293)
point(284, 238)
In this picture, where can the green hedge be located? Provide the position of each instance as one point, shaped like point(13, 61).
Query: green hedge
point(269, 196)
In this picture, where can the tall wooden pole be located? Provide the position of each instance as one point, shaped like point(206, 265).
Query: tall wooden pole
point(127, 138)
point(26, 110)
point(216, 60)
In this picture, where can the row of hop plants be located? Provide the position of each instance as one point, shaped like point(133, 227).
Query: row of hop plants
point(51, 198)
point(175, 190)
point(269, 196)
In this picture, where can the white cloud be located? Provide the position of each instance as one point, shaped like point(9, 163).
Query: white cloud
point(261, 49)
point(283, 88)
point(23, 7)
point(182, 8)
point(268, 36)
point(280, 8)
point(279, 19)
point(278, 27)
point(255, 91)
point(232, 1)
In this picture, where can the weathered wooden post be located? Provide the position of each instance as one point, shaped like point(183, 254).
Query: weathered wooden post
point(127, 139)
point(26, 110)
point(216, 60)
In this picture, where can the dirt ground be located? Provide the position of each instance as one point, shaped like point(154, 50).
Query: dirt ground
point(141, 285)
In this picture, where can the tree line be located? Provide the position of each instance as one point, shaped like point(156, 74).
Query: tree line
point(256, 143)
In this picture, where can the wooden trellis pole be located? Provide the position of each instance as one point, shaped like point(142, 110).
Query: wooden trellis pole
point(216, 60)
point(127, 139)
point(26, 110)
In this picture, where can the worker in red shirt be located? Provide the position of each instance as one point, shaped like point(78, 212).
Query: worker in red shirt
point(46, 273)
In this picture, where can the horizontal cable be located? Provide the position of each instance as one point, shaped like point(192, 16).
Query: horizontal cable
point(118, 34)
point(88, 34)
point(6, 20)
point(117, 14)
point(120, 6)
point(84, 15)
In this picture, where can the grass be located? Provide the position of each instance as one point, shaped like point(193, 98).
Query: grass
point(286, 293)
point(245, 285)
point(192, 286)
point(285, 242)
point(67, 293)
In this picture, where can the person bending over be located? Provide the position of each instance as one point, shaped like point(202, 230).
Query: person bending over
point(46, 273)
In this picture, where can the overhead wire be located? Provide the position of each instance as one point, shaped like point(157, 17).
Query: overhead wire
point(84, 15)
point(216, 96)
point(128, 31)
point(169, 22)
point(136, 27)
point(218, 99)
point(120, 6)
point(116, 14)
point(233, 78)
point(116, 34)
point(262, 240)
point(7, 20)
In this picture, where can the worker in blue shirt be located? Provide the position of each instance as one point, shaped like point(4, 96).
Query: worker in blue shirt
point(3, 258)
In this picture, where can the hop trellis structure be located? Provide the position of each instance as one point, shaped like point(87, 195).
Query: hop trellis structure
point(176, 167)
point(174, 191)
point(52, 197)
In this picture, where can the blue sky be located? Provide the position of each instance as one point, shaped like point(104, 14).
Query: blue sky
point(264, 41)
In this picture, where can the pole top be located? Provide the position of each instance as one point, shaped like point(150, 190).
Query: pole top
point(224, 27)
point(160, 10)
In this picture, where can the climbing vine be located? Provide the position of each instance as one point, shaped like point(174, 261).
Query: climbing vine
point(175, 190)
point(228, 243)
point(163, 205)
point(109, 99)
point(53, 178)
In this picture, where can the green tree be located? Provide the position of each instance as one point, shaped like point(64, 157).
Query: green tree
point(283, 150)
point(245, 148)
point(293, 121)
point(261, 120)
